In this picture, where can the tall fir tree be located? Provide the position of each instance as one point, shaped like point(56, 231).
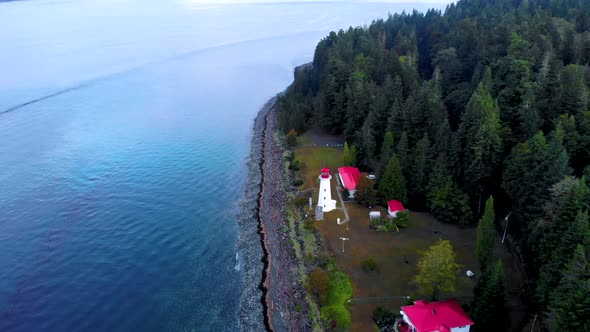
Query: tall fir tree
point(387, 150)
point(420, 170)
point(481, 142)
point(574, 97)
point(486, 235)
point(393, 183)
point(548, 93)
point(402, 152)
point(444, 197)
point(489, 302)
point(346, 156)
point(552, 271)
point(569, 308)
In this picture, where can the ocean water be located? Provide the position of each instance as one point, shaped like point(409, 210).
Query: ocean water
point(124, 133)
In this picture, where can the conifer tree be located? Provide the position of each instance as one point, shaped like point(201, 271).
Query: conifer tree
point(353, 156)
point(574, 97)
point(402, 152)
point(489, 302)
point(481, 140)
point(393, 182)
point(548, 94)
point(419, 176)
point(445, 199)
point(347, 158)
point(551, 272)
point(486, 235)
point(387, 150)
point(569, 308)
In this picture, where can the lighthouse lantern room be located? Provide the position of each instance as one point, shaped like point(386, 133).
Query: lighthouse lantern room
point(325, 201)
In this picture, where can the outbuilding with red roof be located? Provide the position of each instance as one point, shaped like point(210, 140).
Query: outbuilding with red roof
point(440, 316)
point(393, 207)
point(349, 177)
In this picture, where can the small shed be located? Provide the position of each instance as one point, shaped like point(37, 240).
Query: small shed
point(374, 215)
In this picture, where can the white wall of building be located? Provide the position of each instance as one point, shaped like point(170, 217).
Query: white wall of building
point(325, 195)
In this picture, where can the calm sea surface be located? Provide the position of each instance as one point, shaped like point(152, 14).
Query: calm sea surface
point(122, 170)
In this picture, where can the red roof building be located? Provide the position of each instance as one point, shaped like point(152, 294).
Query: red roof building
point(349, 177)
point(394, 206)
point(441, 316)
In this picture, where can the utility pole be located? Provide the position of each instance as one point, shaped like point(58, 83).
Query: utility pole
point(506, 226)
point(343, 239)
point(534, 321)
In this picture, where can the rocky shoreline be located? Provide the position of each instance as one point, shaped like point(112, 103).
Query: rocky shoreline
point(269, 297)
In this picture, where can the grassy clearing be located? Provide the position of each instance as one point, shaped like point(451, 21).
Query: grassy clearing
point(313, 160)
point(336, 310)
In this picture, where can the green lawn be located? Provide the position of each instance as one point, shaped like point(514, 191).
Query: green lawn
point(313, 159)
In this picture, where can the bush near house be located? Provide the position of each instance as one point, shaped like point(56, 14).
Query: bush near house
point(391, 224)
point(345, 194)
point(384, 319)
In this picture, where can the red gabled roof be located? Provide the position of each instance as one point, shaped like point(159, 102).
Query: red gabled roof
point(350, 176)
point(436, 316)
point(395, 205)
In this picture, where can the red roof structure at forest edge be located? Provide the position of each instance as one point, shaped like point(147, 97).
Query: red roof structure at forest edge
point(438, 316)
point(394, 206)
point(349, 176)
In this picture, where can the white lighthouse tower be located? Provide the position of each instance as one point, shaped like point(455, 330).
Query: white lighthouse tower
point(325, 201)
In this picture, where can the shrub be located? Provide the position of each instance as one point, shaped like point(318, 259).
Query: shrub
point(366, 194)
point(295, 165)
point(300, 201)
point(391, 224)
point(369, 265)
point(308, 224)
point(384, 318)
point(325, 261)
point(402, 220)
point(345, 194)
point(297, 183)
point(292, 138)
point(318, 285)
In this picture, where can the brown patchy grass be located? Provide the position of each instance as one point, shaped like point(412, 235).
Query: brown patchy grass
point(396, 254)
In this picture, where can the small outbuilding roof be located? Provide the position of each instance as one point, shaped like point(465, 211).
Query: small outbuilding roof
point(436, 316)
point(395, 205)
point(350, 176)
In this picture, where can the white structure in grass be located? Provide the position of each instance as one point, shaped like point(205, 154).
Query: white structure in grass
point(325, 200)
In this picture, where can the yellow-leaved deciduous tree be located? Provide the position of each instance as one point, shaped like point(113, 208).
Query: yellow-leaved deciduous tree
point(437, 270)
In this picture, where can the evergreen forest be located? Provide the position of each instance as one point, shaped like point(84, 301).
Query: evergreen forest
point(488, 98)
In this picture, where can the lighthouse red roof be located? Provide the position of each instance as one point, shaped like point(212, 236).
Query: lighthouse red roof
point(395, 205)
point(436, 316)
point(325, 170)
point(350, 176)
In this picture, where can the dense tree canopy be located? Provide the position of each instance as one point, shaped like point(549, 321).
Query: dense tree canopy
point(488, 98)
